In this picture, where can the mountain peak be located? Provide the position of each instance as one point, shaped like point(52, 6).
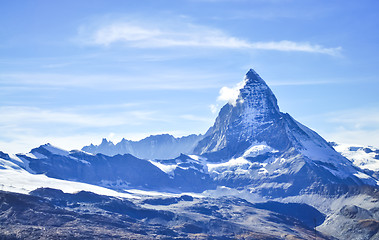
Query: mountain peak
point(106, 142)
point(237, 126)
point(47, 150)
point(256, 94)
point(253, 77)
point(275, 145)
point(256, 118)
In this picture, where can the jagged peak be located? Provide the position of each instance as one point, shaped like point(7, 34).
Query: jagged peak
point(254, 111)
point(256, 92)
point(106, 142)
point(162, 135)
point(237, 93)
point(253, 77)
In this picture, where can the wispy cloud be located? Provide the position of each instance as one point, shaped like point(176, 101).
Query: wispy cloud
point(358, 137)
point(23, 143)
point(187, 35)
point(23, 128)
point(356, 119)
point(197, 118)
point(288, 46)
point(352, 126)
point(152, 81)
point(20, 123)
point(31, 116)
point(305, 83)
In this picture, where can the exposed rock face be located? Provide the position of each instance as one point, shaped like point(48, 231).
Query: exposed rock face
point(255, 117)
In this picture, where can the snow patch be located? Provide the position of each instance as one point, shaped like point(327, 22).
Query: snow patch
point(15, 158)
point(229, 164)
point(39, 155)
point(263, 171)
point(259, 149)
point(21, 181)
point(362, 175)
point(197, 158)
point(169, 169)
point(31, 155)
point(5, 164)
point(276, 185)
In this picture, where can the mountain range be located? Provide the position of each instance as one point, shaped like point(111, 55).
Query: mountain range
point(162, 146)
point(255, 164)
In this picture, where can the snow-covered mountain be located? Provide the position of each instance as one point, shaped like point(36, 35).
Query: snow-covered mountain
point(117, 172)
point(253, 144)
point(15, 176)
point(365, 157)
point(162, 146)
point(252, 153)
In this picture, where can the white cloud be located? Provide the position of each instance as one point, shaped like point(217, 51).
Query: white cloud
point(230, 94)
point(183, 35)
point(123, 32)
point(186, 35)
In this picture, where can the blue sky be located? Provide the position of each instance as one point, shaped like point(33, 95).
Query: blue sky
point(73, 72)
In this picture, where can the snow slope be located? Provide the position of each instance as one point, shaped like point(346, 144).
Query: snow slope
point(15, 179)
point(365, 157)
